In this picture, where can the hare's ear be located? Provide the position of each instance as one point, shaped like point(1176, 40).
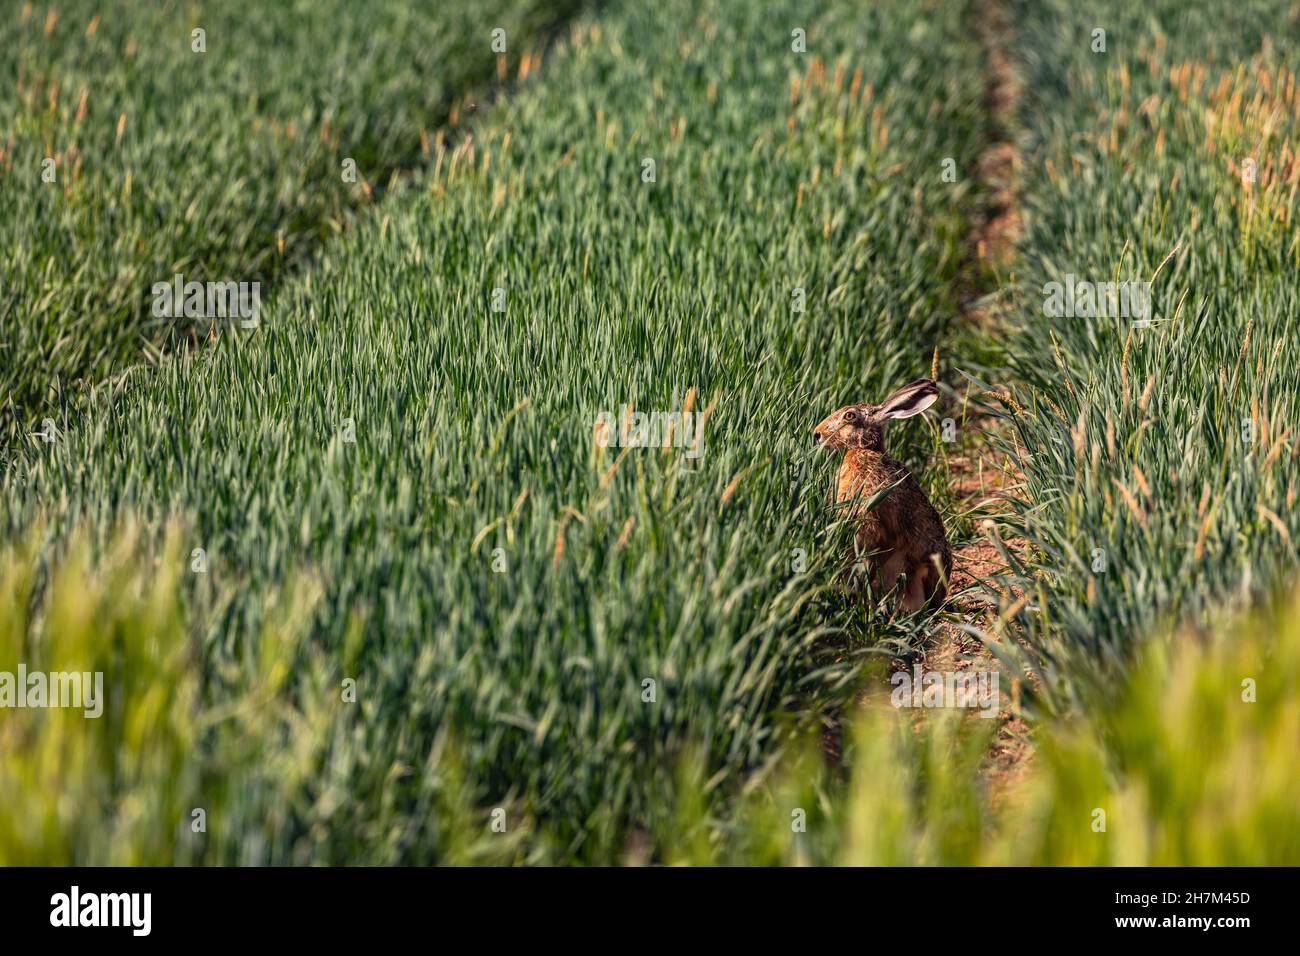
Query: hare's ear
point(909, 400)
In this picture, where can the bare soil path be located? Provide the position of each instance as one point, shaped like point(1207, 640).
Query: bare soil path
point(981, 475)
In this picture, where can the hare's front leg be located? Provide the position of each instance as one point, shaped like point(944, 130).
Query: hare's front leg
point(917, 591)
point(888, 569)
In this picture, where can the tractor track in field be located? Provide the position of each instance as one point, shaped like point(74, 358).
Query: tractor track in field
point(981, 475)
point(449, 129)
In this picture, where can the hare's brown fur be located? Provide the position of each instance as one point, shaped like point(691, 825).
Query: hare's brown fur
point(903, 534)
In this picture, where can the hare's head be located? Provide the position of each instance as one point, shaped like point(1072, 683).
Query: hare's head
point(863, 426)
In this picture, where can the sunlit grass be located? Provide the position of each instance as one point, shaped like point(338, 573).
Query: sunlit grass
point(428, 603)
point(1161, 462)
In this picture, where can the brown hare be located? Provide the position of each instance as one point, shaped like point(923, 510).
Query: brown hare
point(903, 534)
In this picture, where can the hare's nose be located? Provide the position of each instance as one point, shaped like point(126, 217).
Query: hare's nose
point(817, 436)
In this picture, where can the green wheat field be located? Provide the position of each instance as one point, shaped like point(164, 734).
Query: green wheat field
point(366, 582)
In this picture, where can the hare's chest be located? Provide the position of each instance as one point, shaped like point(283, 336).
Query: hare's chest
point(860, 474)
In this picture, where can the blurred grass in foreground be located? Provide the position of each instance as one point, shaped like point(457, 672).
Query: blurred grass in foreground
point(124, 788)
point(1185, 768)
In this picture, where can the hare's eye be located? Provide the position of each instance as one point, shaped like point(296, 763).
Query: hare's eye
point(850, 417)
